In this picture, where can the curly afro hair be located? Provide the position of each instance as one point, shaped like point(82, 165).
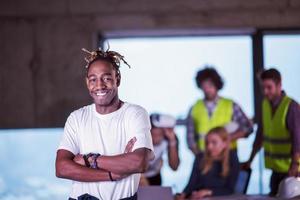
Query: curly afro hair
point(209, 73)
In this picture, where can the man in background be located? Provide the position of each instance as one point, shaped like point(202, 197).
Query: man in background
point(278, 131)
point(214, 111)
point(164, 141)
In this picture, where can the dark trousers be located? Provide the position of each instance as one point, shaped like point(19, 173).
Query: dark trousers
point(276, 178)
point(90, 197)
point(155, 180)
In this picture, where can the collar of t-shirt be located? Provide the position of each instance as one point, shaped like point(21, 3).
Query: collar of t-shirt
point(109, 115)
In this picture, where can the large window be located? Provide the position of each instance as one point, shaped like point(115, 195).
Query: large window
point(282, 52)
point(28, 165)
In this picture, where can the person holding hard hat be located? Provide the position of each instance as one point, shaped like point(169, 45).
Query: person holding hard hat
point(278, 131)
point(164, 141)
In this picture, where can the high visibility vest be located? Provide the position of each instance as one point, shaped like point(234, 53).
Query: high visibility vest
point(221, 116)
point(277, 140)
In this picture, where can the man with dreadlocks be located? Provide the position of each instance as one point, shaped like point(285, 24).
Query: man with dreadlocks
point(105, 145)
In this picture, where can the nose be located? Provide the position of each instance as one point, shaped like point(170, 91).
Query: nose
point(100, 84)
point(209, 146)
point(266, 91)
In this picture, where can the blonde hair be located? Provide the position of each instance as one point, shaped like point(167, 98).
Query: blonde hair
point(207, 161)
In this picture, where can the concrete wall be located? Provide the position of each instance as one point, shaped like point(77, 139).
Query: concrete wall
point(41, 73)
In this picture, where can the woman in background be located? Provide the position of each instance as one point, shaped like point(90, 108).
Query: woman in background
point(215, 171)
point(164, 140)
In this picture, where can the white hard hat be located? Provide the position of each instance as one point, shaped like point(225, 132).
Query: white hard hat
point(289, 188)
point(231, 127)
point(162, 121)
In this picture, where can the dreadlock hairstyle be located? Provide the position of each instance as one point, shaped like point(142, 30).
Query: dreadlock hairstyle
point(207, 161)
point(109, 56)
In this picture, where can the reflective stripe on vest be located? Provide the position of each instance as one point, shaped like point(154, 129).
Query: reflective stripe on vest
point(277, 141)
point(221, 116)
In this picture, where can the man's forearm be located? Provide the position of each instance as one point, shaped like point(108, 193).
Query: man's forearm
point(256, 147)
point(238, 134)
point(173, 157)
point(296, 157)
point(68, 169)
point(190, 134)
point(124, 164)
point(294, 166)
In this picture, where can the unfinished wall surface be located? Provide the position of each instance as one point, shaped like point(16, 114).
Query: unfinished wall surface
point(41, 74)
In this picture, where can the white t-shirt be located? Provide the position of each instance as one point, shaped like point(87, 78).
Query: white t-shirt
point(87, 131)
point(155, 164)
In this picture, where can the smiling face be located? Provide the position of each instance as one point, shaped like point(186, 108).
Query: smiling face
point(215, 145)
point(271, 89)
point(209, 89)
point(102, 82)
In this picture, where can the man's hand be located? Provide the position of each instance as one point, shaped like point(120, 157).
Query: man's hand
point(246, 165)
point(179, 196)
point(79, 159)
point(117, 177)
point(169, 134)
point(144, 181)
point(195, 150)
point(69, 167)
point(201, 194)
point(230, 138)
point(130, 145)
point(294, 169)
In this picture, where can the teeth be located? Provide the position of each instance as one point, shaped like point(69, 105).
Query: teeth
point(101, 93)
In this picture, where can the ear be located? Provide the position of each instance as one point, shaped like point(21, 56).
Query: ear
point(86, 82)
point(280, 85)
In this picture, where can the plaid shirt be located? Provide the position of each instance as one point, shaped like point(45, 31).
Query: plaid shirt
point(238, 116)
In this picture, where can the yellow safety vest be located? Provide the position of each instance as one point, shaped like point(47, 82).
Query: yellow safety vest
point(221, 116)
point(277, 140)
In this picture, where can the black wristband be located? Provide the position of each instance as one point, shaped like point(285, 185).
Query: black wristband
point(110, 176)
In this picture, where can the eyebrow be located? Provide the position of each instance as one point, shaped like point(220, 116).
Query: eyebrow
point(105, 74)
point(90, 76)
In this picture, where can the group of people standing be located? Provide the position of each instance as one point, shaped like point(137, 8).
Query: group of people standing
point(107, 145)
point(215, 123)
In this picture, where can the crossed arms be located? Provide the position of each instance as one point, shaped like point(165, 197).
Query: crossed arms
point(70, 166)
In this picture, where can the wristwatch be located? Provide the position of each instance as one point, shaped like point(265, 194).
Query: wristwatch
point(94, 157)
